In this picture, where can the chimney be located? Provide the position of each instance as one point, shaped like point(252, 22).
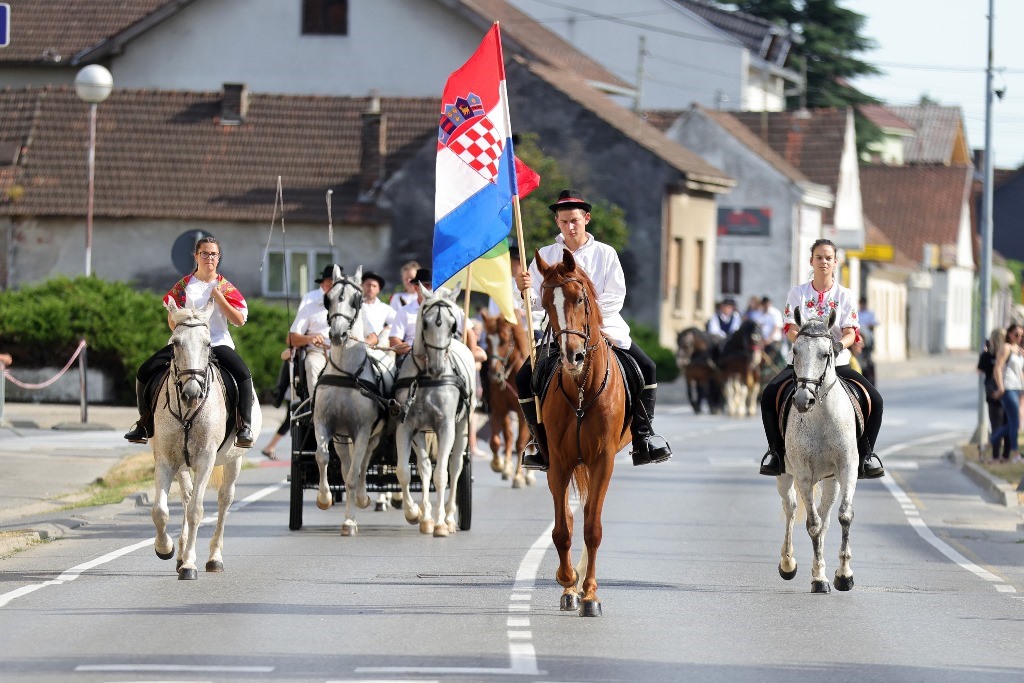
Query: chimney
point(372, 149)
point(235, 104)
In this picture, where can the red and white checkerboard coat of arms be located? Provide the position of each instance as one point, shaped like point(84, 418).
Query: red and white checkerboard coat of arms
point(466, 131)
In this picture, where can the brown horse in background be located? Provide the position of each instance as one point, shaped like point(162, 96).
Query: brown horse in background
point(584, 412)
point(695, 359)
point(507, 348)
point(740, 363)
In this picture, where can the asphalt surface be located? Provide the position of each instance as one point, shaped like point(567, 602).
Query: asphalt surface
point(49, 456)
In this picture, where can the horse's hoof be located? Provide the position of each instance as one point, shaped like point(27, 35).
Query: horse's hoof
point(380, 506)
point(363, 502)
point(177, 565)
point(519, 482)
point(505, 476)
point(324, 505)
point(570, 602)
point(349, 528)
point(412, 515)
point(496, 464)
point(165, 556)
point(427, 526)
point(590, 608)
point(440, 531)
point(396, 503)
point(531, 478)
point(820, 587)
point(215, 566)
point(788, 576)
point(188, 574)
point(844, 583)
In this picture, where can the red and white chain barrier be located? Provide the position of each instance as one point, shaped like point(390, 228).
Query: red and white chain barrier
point(43, 385)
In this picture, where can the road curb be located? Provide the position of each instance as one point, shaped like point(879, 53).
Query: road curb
point(1004, 492)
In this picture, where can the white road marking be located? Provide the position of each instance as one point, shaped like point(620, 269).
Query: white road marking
point(913, 517)
point(175, 667)
point(76, 571)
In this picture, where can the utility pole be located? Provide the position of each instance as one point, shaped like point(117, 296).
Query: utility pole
point(985, 278)
point(641, 53)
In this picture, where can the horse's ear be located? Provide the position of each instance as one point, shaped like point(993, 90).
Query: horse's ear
point(207, 311)
point(424, 291)
point(796, 316)
point(542, 265)
point(172, 305)
point(455, 292)
point(336, 273)
point(831, 318)
point(567, 260)
point(359, 274)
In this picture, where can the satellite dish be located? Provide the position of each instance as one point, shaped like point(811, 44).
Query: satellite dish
point(182, 253)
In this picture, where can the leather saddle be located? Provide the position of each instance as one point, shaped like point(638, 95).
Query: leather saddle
point(855, 391)
point(156, 386)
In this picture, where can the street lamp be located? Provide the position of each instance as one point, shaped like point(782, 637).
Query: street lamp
point(93, 85)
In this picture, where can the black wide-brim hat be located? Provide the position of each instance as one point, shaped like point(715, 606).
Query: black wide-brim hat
point(423, 276)
point(370, 275)
point(570, 199)
point(329, 272)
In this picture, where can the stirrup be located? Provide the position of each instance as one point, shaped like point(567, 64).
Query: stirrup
point(137, 434)
point(646, 454)
point(533, 459)
point(243, 437)
point(869, 471)
point(772, 464)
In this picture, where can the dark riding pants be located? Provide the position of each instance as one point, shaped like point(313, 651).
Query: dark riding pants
point(227, 357)
point(770, 414)
point(647, 369)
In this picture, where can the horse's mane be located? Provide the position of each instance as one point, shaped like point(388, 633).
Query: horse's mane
point(559, 273)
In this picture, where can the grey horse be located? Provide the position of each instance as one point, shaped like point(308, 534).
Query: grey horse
point(821, 452)
point(348, 405)
point(436, 388)
point(189, 439)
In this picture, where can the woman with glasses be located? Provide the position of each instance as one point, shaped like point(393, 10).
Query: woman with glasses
point(194, 291)
point(1009, 376)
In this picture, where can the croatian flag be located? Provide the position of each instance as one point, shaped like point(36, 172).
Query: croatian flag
point(476, 171)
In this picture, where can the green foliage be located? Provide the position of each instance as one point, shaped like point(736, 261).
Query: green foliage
point(1017, 268)
point(665, 359)
point(42, 325)
point(607, 220)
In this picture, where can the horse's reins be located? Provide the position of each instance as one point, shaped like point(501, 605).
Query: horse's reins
point(202, 376)
point(807, 382)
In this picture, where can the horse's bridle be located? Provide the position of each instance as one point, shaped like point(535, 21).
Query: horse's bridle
point(807, 382)
point(440, 303)
point(200, 375)
point(502, 361)
point(585, 333)
point(331, 316)
point(185, 416)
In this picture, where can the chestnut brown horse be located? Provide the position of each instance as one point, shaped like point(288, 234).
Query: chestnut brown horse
point(507, 346)
point(584, 411)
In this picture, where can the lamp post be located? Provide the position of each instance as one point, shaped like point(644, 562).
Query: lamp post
point(93, 85)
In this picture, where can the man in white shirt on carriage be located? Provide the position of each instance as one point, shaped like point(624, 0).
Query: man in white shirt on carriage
point(310, 328)
point(403, 330)
point(378, 315)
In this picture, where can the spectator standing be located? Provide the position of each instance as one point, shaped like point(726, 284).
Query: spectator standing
point(996, 414)
point(1008, 374)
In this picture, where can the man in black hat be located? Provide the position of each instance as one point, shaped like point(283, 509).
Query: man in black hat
point(310, 328)
point(601, 264)
point(403, 331)
point(378, 315)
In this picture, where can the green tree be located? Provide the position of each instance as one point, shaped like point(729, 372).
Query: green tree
point(607, 220)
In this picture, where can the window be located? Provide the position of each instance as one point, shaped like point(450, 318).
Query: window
point(304, 265)
point(325, 17)
point(732, 278)
point(697, 284)
point(675, 276)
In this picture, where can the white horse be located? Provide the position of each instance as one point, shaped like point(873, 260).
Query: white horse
point(349, 399)
point(436, 388)
point(191, 438)
point(821, 450)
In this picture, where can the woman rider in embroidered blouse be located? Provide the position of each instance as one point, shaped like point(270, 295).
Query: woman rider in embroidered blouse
point(816, 299)
point(194, 290)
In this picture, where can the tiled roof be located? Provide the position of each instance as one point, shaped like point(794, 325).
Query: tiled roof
point(520, 31)
point(875, 235)
point(164, 154)
point(915, 205)
point(746, 136)
point(753, 32)
point(938, 130)
point(662, 119)
point(881, 116)
point(812, 141)
point(54, 31)
point(634, 127)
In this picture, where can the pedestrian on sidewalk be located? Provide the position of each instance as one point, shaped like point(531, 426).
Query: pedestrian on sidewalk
point(1009, 376)
point(996, 414)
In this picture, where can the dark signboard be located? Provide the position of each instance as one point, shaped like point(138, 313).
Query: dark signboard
point(745, 222)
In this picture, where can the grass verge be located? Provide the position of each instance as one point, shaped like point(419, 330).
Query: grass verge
point(131, 475)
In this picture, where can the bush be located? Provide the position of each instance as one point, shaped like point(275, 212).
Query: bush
point(42, 325)
point(664, 359)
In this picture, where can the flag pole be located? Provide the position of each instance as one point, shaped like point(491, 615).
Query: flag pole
point(518, 217)
point(465, 305)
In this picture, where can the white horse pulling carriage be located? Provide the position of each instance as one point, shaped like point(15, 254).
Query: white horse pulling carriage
point(346, 444)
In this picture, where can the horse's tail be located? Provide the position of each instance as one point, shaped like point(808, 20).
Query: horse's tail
point(217, 476)
point(581, 482)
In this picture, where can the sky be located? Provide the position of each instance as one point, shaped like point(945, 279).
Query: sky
point(940, 48)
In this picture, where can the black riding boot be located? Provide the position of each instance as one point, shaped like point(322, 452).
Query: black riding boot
point(644, 452)
point(243, 435)
point(774, 462)
point(535, 455)
point(143, 429)
point(870, 464)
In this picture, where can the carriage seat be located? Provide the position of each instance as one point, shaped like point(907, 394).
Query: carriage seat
point(156, 387)
point(855, 392)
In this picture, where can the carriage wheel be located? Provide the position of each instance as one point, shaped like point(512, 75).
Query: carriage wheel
point(464, 497)
point(295, 504)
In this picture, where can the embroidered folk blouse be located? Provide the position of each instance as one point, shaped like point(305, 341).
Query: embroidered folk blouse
point(815, 304)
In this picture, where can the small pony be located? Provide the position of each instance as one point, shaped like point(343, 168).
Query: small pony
point(821, 450)
point(191, 438)
point(351, 398)
point(584, 411)
point(436, 392)
point(507, 349)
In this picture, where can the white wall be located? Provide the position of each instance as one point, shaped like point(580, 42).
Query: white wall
point(259, 42)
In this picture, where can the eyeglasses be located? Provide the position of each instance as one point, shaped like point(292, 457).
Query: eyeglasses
point(209, 254)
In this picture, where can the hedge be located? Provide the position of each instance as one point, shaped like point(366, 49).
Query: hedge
point(41, 325)
point(664, 359)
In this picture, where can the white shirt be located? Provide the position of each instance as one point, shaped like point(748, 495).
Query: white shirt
point(197, 295)
point(311, 318)
point(601, 264)
point(404, 327)
point(715, 324)
point(378, 316)
point(771, 325)
point(815, 304)
point(400, 300)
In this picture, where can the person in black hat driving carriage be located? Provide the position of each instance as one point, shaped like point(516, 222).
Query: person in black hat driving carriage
point(601, 264)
